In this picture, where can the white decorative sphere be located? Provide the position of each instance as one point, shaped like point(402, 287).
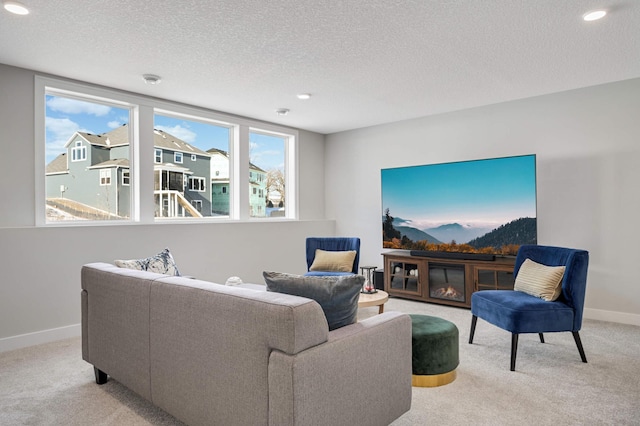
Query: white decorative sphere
point(233, 281)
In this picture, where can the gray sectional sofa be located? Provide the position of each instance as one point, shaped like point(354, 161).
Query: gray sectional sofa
point(211, 354)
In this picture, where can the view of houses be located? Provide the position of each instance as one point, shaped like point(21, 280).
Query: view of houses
point(91, 179)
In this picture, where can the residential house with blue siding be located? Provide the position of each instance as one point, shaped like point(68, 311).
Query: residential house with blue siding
point(220, 198)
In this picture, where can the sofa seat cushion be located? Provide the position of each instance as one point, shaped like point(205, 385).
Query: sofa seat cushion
point(327, 274)
point(337, 295)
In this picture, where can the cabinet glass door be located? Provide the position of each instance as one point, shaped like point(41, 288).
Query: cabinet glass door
point(404, 277)
point(493, 279)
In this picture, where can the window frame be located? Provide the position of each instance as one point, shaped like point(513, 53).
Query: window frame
point(44, 86)
point(126, 177)
point(105, 177)
point(141, 150)
point(290, 168)
point(82, 149)
point(202, 186)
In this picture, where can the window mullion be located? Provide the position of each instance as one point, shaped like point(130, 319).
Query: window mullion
point(240, 155)
point(145, 173)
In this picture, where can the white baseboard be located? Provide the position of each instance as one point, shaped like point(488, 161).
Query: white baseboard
point(612, 316)
point(39, 337)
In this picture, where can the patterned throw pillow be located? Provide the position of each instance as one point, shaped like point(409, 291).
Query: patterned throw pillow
point(540, 280)
point(337, 296)
point(161, 263)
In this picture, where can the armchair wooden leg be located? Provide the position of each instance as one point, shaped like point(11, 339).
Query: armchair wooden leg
point(541, 337)
point(474, 320)
point(576, 337)
point(514, 350)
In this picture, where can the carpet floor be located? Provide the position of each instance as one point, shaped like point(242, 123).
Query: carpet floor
point(50, 384)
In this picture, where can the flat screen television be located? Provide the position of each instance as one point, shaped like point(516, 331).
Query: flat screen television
point(479, 207)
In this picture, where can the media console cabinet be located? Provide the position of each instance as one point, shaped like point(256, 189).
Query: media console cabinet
point(444, 280)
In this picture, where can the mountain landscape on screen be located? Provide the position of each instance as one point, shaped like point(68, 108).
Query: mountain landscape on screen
point(480, 206)
point(457, 237)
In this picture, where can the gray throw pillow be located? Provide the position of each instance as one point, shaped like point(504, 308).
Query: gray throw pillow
point(337, 295)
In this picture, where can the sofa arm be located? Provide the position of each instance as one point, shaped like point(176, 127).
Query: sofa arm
point(361, 375)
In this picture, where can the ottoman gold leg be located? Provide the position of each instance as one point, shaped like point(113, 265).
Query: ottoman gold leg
point(433, 380)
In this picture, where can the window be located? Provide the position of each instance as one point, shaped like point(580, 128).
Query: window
point(78, 152)
point(268, 174)
point(105, 177)
point(208, 142)
point(197, 184)
point(88, 146)
point(84, 137)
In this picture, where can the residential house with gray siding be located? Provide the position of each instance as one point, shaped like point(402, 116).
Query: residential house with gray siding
point(92, 177)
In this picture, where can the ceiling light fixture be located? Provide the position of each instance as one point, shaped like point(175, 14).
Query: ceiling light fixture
point(151, 78)
point(594, 15)
point(304, 95)
point(15, 7)
point(282, 111)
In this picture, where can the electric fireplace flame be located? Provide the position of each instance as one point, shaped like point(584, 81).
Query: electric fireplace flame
point(448, 293)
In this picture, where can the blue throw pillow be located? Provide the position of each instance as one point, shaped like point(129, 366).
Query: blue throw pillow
point(337, 295)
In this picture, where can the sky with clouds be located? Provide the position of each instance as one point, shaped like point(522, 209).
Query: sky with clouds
point(65, 116)
point(477, 193)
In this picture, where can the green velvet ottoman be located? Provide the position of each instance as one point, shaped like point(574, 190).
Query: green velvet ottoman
point(435, 351)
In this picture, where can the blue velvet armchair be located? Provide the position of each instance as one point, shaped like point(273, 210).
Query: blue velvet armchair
point(519, 312)
point(332, 244)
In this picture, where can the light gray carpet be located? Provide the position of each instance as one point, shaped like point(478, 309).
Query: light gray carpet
point(51, 385)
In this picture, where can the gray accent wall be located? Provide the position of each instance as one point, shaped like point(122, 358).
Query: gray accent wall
point(587, 144)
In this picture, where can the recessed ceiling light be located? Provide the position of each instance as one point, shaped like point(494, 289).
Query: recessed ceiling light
point(594, 15)
point(151, 79)
point(282, 111)
point(15, 7)
point(304, 95)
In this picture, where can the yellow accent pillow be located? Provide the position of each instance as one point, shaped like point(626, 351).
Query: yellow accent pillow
point(540, 280)
point(334, 261)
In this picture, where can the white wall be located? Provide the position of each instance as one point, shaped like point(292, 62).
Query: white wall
point(40, 284)
point(587, 144)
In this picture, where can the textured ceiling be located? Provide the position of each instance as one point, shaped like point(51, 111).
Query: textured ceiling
point(365, 62)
